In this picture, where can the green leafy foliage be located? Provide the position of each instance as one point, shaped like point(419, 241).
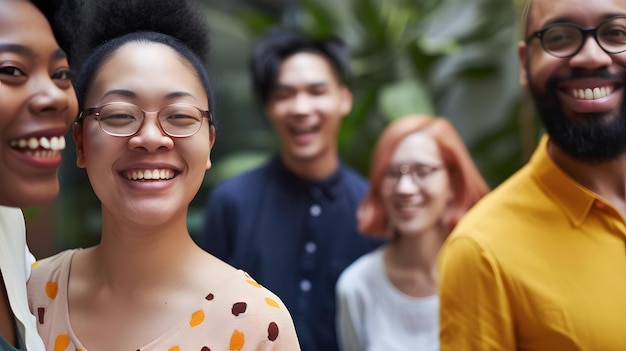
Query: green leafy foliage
point(452, 58)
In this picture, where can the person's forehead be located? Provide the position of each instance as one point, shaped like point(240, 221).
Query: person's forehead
point(13, 13)
point(417, 147)
point(582, 12)
point(306, 65)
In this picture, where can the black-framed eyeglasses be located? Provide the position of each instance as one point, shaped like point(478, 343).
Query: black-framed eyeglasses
point(419, 172)
point(123, 119)
point(566, 39)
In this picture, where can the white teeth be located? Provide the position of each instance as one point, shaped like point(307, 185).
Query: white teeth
point(45, 143)
point(591, 94)
point(33, 143)
point(149, 174)
point(41, 153)
point(54, 143)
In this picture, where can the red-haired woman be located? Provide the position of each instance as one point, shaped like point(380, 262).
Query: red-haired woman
point(422, 180)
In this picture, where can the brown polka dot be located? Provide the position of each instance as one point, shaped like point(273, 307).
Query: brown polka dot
point(210, 297)
point(174, 348)
point(239, 308)
point(41, 311)
point(204, 348)
point(272, 331)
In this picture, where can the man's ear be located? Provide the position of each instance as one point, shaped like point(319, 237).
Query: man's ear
point(212, 142)
point(77, 135)
point(346, 101)
point(522, 53)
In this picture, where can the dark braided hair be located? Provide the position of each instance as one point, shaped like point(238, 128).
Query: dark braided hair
point(100, 27)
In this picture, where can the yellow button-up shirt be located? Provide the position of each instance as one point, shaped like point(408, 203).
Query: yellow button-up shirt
point(539, 264)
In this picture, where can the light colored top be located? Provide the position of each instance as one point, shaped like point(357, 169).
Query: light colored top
point(15, 261)
point(539, 264)
point(373, 315)
point(236, 314)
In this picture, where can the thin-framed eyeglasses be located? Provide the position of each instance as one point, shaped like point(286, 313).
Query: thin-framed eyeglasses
point(418, 172)
point(566, 39)
point(124, 119)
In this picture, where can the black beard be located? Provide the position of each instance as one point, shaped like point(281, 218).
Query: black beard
point(600, 137)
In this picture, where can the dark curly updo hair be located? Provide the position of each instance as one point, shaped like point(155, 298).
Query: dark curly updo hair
point(96, 29)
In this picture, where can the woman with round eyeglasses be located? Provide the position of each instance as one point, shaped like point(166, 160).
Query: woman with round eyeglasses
point(145, 136)
point(422, 180)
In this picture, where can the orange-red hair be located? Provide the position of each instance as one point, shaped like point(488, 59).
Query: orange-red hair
point(467, 184)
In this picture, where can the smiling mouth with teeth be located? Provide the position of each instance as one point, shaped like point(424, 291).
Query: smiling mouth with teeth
point(592, 94)
point(150, 174)
point(42, 147)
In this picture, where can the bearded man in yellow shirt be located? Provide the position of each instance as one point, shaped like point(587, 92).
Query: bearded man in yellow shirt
point(540, 263)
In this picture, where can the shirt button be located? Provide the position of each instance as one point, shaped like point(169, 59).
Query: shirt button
point(305, 285)
point(310, 247)
point(315, 210)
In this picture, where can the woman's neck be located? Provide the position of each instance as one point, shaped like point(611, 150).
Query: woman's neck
point(411, 262)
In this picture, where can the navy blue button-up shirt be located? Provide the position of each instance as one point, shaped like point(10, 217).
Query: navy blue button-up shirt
point(293, 236)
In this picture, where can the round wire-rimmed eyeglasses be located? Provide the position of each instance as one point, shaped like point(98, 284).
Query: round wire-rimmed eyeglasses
point(122, 119)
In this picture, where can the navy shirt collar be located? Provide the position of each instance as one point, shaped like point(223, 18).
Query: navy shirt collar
point(328, 188)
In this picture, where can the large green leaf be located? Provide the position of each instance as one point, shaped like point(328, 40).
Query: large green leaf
point(405, 97)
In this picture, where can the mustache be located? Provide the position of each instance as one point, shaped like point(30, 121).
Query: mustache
point(579, 73)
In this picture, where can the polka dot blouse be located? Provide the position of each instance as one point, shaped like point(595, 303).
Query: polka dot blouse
point(239, 315)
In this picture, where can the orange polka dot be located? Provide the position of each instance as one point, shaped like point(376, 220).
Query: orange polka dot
point(253, 283)
point(62, 342)
point(236, 341)
point(197, 318)
point(34, 264)
point(52, 289)
point(271, 302)
point(174, 348)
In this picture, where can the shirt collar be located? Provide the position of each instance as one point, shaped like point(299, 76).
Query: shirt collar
point(328, 188)
point(573, 198)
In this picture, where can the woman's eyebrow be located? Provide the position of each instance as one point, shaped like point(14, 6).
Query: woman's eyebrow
point(18, 49)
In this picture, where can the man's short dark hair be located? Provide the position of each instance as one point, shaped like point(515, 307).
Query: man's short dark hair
point(282, 43)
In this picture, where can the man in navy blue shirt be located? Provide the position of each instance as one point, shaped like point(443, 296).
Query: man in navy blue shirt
point(291, 224)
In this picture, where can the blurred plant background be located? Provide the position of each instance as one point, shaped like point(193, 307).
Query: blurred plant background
point(452, 58)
